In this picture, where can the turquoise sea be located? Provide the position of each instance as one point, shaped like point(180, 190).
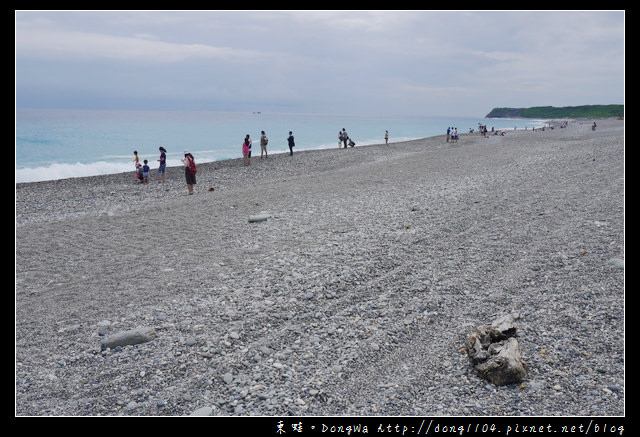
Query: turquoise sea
point(57, 144)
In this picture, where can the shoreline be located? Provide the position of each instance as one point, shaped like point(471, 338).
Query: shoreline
point(554, 122)
point(354, 296)
point(110, 188)
point(236, 160)
point(280, 152)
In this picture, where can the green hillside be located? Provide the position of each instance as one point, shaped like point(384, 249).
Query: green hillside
point(585, 111)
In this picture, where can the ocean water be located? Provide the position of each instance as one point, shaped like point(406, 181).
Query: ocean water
point(57, 144)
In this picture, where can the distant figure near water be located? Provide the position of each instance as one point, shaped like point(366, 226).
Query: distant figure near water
point(263, 144)
point(145, 172)
point(386, 137)
point(246, 150)
point(291, 142)
point(162, 167)
point(137, 165)
point(453, 134)
point(139, 172)
point(345, 137)
point(189, 170)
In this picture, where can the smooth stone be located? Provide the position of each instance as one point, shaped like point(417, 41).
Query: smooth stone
point(130, 337)
point(203, 411)
point(259, 217)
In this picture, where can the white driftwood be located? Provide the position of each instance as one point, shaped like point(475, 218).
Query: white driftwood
point(494, 352)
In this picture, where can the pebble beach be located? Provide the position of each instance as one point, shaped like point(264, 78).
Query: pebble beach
point(353, 293)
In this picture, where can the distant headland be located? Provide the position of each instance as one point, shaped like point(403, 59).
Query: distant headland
point(585, 111)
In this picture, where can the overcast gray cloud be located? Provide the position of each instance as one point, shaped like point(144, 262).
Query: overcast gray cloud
point(344, 62)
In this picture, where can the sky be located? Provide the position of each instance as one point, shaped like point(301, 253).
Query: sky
point(347, 62)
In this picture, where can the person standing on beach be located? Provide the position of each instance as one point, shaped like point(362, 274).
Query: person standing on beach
point(448, 134)
point(345, 137)
point(263, 144)
point(145, 172)
point(162, 167)
point(386, 137)
point(137, 165)
point(189, 170)
point(292, 144)
point(246, 150)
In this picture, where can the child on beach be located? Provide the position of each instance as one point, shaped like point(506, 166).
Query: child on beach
point(139, 171)
point(145, 172)
point(136, 164)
